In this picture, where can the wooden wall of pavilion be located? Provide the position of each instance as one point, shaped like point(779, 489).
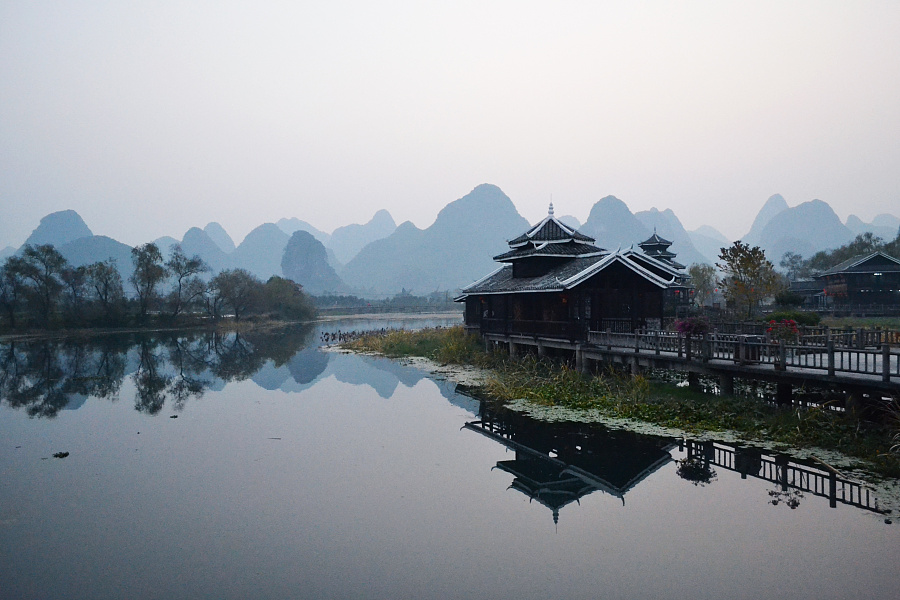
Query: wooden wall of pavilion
point(617, 298)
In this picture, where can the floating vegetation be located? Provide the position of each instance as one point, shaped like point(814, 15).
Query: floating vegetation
point(552, 390)
point(790, 497)
point(60, 454)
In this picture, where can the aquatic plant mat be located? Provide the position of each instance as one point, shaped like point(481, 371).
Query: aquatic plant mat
point(553, 390)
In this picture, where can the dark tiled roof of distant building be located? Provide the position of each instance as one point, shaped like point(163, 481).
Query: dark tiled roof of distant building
point(655, 240)
point(863, 263)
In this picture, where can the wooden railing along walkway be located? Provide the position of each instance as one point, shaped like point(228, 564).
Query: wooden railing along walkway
point(841, 355)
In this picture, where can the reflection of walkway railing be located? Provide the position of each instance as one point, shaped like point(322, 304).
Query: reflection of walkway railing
point(779, 470)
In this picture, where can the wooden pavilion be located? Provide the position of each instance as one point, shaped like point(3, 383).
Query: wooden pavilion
point(556, 282)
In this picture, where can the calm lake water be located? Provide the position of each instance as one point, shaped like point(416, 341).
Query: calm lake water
point(290, 472)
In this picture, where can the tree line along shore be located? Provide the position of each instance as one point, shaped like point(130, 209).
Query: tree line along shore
point(40, 289)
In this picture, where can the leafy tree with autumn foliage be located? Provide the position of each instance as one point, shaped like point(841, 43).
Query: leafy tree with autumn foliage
point(748, 277)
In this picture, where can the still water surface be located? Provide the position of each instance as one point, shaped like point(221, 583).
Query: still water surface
point(290, 472)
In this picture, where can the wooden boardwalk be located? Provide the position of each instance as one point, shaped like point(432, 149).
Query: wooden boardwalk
point(826, 362)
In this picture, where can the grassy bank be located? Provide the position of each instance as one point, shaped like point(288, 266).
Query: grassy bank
point(866, 322)
point(548, 383)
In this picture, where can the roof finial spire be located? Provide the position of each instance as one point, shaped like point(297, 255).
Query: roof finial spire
point(550, 210)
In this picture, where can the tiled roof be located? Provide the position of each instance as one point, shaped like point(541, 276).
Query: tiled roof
point(571, 249)
point(566, 276)
point(550, 230)
point(668, 266)
point(857, 264)
point(655, 240)
point(659, 252)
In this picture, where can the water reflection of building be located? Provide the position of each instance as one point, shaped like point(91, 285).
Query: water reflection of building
point(557, 464)
point(785, 473)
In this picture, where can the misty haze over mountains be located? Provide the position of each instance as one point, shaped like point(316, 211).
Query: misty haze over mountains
point(381, 258)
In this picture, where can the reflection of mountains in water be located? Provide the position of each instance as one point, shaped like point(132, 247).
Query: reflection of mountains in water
point(47, 376)
point(310, 365)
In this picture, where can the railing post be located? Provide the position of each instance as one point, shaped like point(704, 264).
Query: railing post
point(739, 351)
point(688, 341)
point(860, 342)
point(704, 348)
point(680, 343)
point(830, 358)
point(656, 341)
point(637, 343)
point(782, 355)
point(608, 338)
point(885, 363)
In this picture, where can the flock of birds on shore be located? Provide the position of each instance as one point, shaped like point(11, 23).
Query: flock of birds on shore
point(339, 337)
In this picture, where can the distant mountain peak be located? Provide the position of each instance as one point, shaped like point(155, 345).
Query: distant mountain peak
point(289, 226)
point(382, 217)
point(773, 206)
point(454, 251)
point(804, 229)
point(347, 241)
point(219, 236)
point(305, 261)
point(59, 228)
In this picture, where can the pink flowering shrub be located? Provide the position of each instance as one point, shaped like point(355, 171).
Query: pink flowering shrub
point(785, 330)
point(692, 326)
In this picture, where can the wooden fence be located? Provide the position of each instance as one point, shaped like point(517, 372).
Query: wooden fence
point(833, 356)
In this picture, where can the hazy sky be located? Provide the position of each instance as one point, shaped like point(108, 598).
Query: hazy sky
point(152, 117)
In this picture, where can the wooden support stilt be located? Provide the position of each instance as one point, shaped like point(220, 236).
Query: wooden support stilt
point(784, 393)
point(693, 380)
point(726, 384)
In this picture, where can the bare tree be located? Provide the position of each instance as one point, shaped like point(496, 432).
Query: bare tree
point(104, 279)
point(182, 269)
point(41, 266)
point(75, 281)
point(703, 278)
point(148, 273)
point(11, 289)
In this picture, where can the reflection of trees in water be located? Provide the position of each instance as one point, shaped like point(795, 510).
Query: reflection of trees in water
point(234, 357)
point(150, 382)
point(44, 376)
